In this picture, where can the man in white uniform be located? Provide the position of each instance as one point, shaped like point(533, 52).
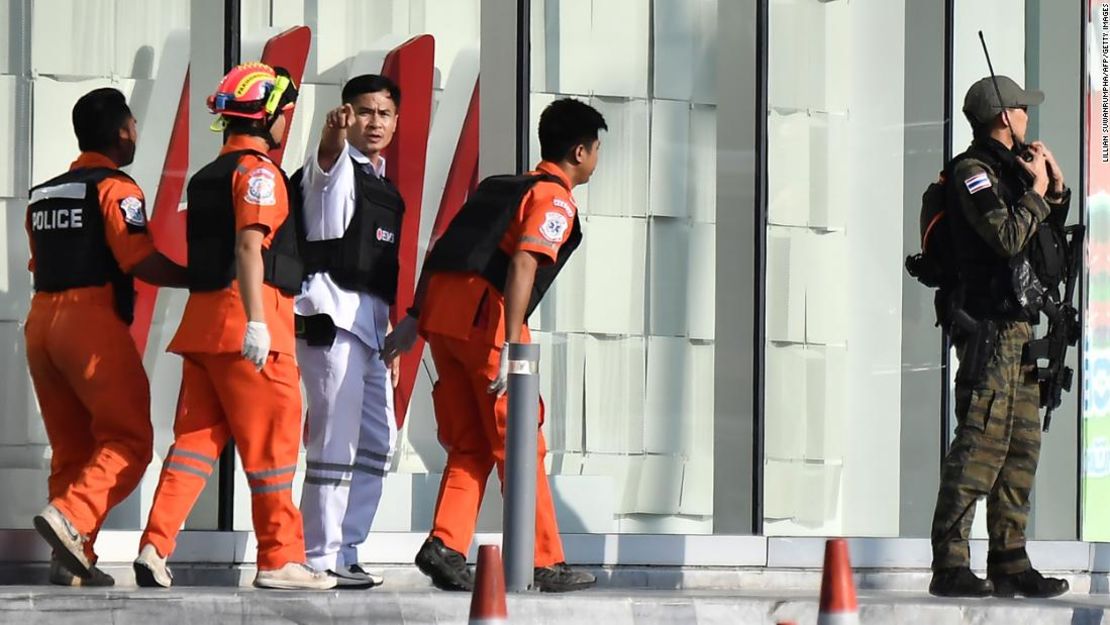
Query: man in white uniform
point(352, 224)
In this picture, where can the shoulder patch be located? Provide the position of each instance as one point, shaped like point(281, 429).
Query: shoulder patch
point(568, 207)
point(977, 182)
point(554, 227)
point(132, 209)
point(260, 187)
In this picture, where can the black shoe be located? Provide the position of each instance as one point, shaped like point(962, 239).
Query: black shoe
point(445, 566)
point(561, 578)
point(1028, 583)
point(959, 582)
point(60, 576)
point(375, 578)
point(348, 579)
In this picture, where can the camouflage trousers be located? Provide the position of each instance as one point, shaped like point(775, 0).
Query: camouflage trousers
point(998, 441)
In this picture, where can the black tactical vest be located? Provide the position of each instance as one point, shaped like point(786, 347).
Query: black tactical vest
point(67, 231)
point(210, 233)
point(991, 283)
point(366, 257)
point(472, 240)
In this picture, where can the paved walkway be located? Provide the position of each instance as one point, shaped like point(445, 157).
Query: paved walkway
point(216, 593)
point(29, 605)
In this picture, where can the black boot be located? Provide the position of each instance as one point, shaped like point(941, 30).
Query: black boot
point(561, 578)
point(445, 566)
point(1028, 583)
point(959, 582)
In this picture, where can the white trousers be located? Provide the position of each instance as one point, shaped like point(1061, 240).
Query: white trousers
point(350, 435)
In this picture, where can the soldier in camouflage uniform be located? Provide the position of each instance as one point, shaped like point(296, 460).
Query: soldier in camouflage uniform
point(997, 201)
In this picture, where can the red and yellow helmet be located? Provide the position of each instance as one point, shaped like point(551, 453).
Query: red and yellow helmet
point(252, 91)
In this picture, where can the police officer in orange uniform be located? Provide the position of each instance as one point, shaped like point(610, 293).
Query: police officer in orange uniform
point(88, 235)
point(239, 378)
point(480, 282)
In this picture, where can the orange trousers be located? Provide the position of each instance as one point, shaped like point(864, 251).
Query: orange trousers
point(471, 425)
point(95, 401)
point(222, 397)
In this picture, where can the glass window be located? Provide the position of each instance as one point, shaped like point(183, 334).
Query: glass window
point(835, 171)
point(633, 357)
point(856, 131)
point(627, 332)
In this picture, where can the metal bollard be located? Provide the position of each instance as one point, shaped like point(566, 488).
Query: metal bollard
point(519, 521)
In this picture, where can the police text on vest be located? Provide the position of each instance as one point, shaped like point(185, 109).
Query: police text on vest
point(57, 219)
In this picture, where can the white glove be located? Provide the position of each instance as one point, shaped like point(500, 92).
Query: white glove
point(501, 383)
point(256, 343)
point(401, 339)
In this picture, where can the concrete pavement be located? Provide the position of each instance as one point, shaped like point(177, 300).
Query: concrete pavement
point(627, 596)
point(196, 605)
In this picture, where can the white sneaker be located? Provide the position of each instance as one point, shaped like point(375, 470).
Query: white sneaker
point(68, 543)
point(294, 576)
point(151, 570)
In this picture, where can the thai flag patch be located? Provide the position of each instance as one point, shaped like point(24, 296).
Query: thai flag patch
point(978, 182)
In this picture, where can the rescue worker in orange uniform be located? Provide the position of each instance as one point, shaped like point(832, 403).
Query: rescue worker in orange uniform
point(481, 280)
point(239, 377)
point(88, 236)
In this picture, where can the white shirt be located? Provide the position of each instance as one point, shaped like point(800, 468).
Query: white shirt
point(329, 204)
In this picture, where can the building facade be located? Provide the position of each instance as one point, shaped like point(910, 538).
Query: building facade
point(736, 349)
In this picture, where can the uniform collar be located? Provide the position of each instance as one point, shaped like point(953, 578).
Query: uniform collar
point(548, 167)
point(995, 148)
point(239, 142)
point(90, 160)
point(362, 159)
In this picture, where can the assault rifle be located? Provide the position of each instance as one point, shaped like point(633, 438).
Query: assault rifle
point(1063, 331)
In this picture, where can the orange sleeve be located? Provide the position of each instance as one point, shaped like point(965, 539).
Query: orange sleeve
point(125, 221)
point(259, 193)
point(547, 214)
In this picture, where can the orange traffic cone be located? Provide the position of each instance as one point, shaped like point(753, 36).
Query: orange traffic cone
point(487, 604)
point(838, 592)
